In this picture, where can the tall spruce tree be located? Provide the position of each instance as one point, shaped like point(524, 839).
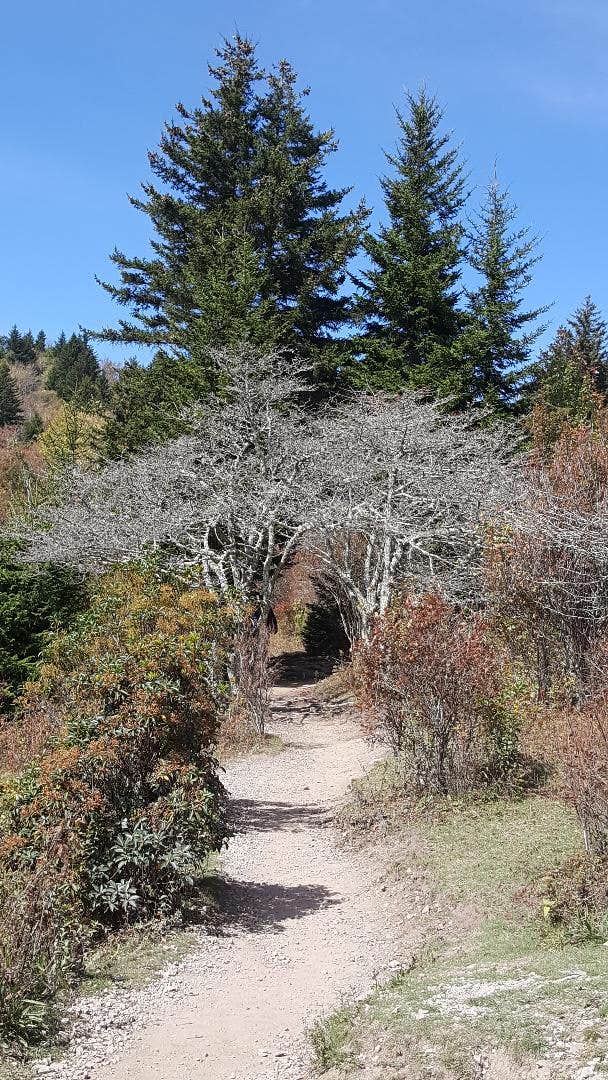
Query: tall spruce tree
point(20, 348)
point(75, 371)
point(570, 379)
point(249, 244)
point(10, 402)
point(499, 333)
point(589, 335)
point(409, 297)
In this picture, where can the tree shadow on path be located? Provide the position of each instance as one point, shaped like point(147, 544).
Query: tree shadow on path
point(263, 907)
point(251, 815)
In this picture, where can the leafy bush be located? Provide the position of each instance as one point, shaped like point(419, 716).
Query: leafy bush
point(123, 794)
point(430, 683)
point(575, 899)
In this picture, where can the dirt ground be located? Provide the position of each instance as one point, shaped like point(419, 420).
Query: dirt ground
point(308, 925)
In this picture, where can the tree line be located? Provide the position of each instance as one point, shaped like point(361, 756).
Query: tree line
point(70, 368)
point(251, 245)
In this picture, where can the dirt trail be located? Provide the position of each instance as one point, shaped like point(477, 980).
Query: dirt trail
point(307, 922)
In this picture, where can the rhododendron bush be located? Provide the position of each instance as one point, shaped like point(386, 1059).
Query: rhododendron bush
point(122, 794)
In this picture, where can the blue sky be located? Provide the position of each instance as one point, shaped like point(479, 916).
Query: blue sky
point(86, 84)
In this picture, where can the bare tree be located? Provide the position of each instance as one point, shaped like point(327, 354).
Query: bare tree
point(550, 565)
point(381, 489)
point(231, 497)
point(408, 489)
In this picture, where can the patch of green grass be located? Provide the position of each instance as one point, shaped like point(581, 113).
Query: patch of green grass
point(482, 849)
point(495, 974)
point(334, 1040)
point(133, 959)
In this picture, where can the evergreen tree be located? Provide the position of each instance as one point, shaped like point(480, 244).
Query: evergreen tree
point(250, 243)
point(569, 382)
point(10, 403)
point(13, 344)
point(75, 371)
point(147, 403)
point(40, 342)
point(499, 334)
point(71, 439)
point(20, 348)
point(590, 337)
point(32, 428)
point(33, 600)
point(409, 296)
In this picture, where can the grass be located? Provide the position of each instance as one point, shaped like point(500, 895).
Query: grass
point(135, 958)
point(236, 744)
point(493, 973)
point(334, 1040)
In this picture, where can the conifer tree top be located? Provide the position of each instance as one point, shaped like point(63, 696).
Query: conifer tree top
point(249, 242)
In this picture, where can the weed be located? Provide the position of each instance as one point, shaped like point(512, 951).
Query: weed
point(334, 1040)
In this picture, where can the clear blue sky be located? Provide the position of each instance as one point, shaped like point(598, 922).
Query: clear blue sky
point(86, 84)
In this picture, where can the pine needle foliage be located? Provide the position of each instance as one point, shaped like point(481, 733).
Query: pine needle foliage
point(499, 333)
point(409, 297)
point(249, 243)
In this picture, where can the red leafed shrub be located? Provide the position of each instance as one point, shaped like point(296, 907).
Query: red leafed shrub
point(587, 758)
point(429, 683)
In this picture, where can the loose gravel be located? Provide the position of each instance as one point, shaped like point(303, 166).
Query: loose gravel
point(308, 926)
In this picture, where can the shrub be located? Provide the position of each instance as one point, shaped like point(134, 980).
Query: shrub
point(548, 569)
point(123, 794)
point(575, 899)
point(587, 757)
point(253, 671)
point(430, 684)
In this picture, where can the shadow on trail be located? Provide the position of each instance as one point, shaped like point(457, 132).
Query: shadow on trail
point(259, 907)
point(296, 669)
point(254, 816)
point(300, 710)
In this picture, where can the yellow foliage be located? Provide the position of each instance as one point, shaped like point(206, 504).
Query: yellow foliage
point(71, 438)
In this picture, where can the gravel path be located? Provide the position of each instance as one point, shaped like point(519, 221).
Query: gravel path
point(308, 925)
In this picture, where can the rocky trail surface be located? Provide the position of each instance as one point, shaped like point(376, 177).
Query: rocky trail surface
point(306, 926)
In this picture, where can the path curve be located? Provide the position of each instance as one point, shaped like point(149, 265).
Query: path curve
point(308, 923)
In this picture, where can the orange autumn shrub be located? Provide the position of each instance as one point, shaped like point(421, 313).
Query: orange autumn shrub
point(123, 795)
point(430, 684)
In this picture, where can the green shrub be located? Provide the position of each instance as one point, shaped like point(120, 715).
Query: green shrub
point(33, 600)
point(123, 794)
